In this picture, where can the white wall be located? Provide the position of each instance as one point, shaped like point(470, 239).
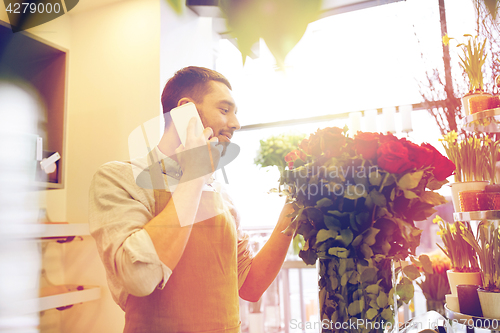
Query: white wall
point(113, 88)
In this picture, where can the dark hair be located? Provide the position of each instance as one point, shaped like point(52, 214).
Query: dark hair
point(191, 82)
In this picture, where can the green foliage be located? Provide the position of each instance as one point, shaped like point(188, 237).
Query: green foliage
point(273, 150)
point(280, 23)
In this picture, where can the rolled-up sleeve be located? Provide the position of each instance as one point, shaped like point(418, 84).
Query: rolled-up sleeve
point(138, 265)
point(118, 211)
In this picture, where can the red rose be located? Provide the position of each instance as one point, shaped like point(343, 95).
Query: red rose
point(314, 144)
point(420, 155)
point(329, 140)
point(443, 167)
point(332, 141)
point(383, 138)
point(294, 155)
point(393, 157)
point(304, 145)
point(366, 144)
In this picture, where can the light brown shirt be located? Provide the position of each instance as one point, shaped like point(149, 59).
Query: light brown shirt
point(119, 209)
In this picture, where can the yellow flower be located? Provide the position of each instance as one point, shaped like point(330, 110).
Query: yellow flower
point(446, 40)
point(453, 228)
point(451, 137)
point(437, 219)
point(440, 233)
point(487, 140)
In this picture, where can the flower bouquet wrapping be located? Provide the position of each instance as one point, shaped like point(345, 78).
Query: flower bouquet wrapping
point(356, 200)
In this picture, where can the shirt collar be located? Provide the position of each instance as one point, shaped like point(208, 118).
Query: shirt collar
point(169, 166)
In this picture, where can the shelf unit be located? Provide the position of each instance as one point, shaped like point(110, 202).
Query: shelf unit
point(33, 61)
point(487, 121)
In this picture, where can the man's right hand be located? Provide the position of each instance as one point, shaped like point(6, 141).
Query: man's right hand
point(201, 155)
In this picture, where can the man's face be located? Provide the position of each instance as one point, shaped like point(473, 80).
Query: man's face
point(218, 111)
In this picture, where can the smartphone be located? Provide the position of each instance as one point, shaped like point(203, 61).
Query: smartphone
point(181, 116)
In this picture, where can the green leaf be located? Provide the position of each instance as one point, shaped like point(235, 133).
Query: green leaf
point(366, 250)
point(357, 240)
point(411, 271)
point(354, 308)
point(435, 184)
point(426, 263)
point(332, 223)
point(176, 5)
point(368, 275)
point(410, 180)
point(309, 257)
point(334, 282)
point(354, 192)
point(371, 289)
point(371, 313)
point(375, 178)
point(378, 198)
point(338, 252)
point(325, 234)
point(344, 279)
point(432, 198)
point(382, 300)
point(410, 194)
point(345, 236)
point(387, 314)
point(369, 236)
point(324, 202)
point(354, 279)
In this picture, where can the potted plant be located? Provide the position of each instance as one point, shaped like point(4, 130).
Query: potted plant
point(463, 258)
point(472, 156)
point(356, 200)
point(435, 285)
point(487, 245)
point(472, 61)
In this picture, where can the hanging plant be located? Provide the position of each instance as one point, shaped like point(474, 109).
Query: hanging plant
point(280, 23)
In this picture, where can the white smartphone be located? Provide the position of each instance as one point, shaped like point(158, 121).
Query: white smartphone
point(181, 116)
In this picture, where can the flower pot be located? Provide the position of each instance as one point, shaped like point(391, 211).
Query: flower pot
point(490, 303)
point(456, 278)
point(452, 302)
point(465, 104)
point(479, 102)
point(465, 186)
point(468, 300)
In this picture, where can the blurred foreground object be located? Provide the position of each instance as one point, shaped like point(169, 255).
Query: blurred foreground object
point(19, 255)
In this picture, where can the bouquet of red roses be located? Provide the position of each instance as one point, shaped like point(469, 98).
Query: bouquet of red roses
point(356, 202)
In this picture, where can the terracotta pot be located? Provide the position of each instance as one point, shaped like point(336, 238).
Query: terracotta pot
point(490, 303)
point(456, 278)
point(465, 186)
point(479, 102)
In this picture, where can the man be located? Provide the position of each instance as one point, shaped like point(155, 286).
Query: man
point(175, 258)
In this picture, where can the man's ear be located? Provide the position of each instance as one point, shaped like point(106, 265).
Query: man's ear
point(184, 100)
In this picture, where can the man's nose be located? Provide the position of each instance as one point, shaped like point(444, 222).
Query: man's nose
point(234, 123)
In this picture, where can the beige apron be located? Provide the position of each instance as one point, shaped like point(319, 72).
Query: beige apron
point(201, 295)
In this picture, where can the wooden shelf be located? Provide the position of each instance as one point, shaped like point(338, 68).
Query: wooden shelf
point(65, 229)
point(33, 61)
point(58, 297)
